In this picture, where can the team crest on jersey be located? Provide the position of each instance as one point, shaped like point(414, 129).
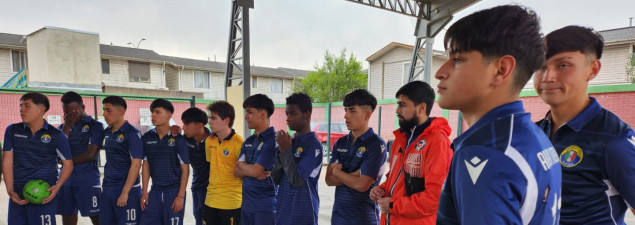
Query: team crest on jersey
point(260, 145)
point(120, 138)
point(171, 142)
point(420, 144)
point(85, 128)
point(46, 138)
point(225, 152)
point(571, 156)
point(298, 151)
point(360, 151)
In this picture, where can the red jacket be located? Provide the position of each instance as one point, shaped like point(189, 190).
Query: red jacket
point(424, 166)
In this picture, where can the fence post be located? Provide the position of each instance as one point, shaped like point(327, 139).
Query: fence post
point(95, 104)
point(328, 129)
point(379, 123)
point(193, 102)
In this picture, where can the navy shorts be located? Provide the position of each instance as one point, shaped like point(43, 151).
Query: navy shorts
point(159, 209)
point(257, 218)
point(74, 198)
point(113, 214)
point(32, 214)
point(198, 201)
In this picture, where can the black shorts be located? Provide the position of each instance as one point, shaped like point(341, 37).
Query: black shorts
point(214, 216)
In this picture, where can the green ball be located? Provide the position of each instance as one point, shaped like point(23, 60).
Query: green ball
point(36, 190)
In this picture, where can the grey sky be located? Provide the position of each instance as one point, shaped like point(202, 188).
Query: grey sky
point(284, 33)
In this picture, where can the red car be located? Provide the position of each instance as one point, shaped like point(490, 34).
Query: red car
point(338, 130)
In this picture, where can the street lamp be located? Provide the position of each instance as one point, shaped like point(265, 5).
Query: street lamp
point(136, 46)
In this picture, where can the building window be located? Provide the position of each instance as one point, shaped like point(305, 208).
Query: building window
point(201, 79)
point(276, 86)
point(18, 59)
point(139, 72)
point(105, 66)
point(254, 82)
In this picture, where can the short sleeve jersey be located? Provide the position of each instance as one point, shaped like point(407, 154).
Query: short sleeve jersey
point(225, 189)
point(165, 156)
point(121, 147)
point(35, 155)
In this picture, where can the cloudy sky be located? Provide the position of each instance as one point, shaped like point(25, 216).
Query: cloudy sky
point(284, 33)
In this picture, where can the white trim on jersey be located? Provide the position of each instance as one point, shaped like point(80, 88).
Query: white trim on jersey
point(180, 160)
point(528, 207)
point(610, 192)
point(242, 158)
point(59, 154)
point(316, 171)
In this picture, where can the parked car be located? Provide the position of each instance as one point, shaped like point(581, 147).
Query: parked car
point(338, 130)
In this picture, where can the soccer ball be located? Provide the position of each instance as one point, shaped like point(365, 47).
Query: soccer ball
point(36, 190)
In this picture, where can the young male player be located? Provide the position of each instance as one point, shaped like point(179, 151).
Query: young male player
point(420, 158)
point(124, 150)
point(356, 164)
point(82, 191)
point(31, 150)
point(504, 170)
point(224, 193)
point(194, 121)
point(596, 148)
point(298, 166)
point(166, 160)
point(257, 156)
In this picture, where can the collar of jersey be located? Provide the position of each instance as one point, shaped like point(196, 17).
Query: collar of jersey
point(122, 128)
point(579, 121)
point(304, 137)
point(45, 126)
point(364, 136)
point(498, 112)
point(229, 137)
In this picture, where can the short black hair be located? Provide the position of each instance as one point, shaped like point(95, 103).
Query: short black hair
point(360, 97)
point(194, 115)
point(574, 38)
point(162, 103)
point(260, 102)
point(37, 98)
point(418, 92)
point(302, 100)
point(224, 110)
point(503, 30)
point(115, 101)
point(70, 97)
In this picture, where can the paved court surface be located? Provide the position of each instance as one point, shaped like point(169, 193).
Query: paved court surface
point(326, 205)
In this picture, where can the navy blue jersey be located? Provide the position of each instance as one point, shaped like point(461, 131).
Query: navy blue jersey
point(297, 170)
point(504, 171)
point(259, 195)
point(200, 166)
point(165, 157)
point(84, 132)
point(597, 155)
point(368, 155)
point(121, 147)
point(35, 155)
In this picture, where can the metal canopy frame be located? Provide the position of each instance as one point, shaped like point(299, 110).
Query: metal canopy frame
point(432, 16)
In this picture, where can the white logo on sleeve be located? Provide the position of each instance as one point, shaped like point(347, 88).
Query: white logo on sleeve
point(632, 140)
point(475, 167)
point(317, 152)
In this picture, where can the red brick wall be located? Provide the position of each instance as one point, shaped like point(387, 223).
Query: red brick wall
point(620, 103)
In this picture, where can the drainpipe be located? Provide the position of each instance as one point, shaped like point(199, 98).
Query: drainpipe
point(181, 78)
point(163, 76)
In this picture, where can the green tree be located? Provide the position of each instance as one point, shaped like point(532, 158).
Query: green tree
point(630, 69)
point(338, 76)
